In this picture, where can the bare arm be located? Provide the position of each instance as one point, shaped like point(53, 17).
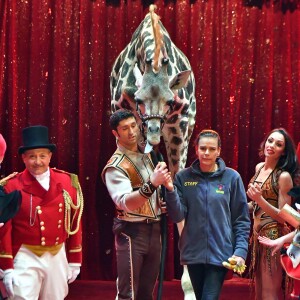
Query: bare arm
point(277, 244)
point(285, 183)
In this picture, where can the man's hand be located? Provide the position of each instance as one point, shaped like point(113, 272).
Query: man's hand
point(73, 272)
point(9, 281)
point(160, 174)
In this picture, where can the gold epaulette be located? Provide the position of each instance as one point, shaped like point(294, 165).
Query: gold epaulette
point(60, 171)
point(4, 180)
point(74, 177)
point(75, 181)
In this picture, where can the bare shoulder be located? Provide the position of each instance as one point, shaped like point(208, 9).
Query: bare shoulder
point(285, 176)
point(285, 181)
point(258, 166)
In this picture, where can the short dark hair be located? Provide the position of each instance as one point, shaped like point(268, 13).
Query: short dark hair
point(207, 133)
point(118, 116)
point(288, 161)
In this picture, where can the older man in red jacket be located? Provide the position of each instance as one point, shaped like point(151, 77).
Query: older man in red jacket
point(40, 249)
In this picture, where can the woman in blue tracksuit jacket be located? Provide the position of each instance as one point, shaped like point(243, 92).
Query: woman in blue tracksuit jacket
point(211, 199)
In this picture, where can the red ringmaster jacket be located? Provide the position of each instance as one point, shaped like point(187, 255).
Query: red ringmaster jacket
point(43, 217)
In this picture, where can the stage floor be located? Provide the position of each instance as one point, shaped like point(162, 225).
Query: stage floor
point(234, 289)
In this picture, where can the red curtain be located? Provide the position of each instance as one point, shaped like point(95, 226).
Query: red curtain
point(56, 58)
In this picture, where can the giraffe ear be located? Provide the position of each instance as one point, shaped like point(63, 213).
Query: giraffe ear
point(138, 76)
point(179, 80)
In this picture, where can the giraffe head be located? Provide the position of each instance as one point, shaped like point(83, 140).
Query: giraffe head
point(155, 97)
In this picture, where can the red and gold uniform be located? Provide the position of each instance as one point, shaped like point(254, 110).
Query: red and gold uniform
point(48, 220)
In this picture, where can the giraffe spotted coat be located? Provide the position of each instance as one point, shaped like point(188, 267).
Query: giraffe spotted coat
point(153, 78)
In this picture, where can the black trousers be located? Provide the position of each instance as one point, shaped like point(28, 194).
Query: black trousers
point(207, 280)
point(138, 249)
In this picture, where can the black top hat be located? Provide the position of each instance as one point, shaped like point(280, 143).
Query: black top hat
point(35, 137)
point(9, 204)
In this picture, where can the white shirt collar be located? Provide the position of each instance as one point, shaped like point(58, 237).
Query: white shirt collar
point(43, 179)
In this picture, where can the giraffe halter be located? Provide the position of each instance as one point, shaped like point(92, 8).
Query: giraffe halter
point(144, 118)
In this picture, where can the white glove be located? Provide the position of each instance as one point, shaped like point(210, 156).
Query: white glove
point(73, 271)
point(9, 280)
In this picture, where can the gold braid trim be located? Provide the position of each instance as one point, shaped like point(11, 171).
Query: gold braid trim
point(79, 249)
point(6, 256)
point(4, 180)
point(69, 205)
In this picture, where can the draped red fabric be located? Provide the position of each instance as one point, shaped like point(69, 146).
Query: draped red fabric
point(55, 63)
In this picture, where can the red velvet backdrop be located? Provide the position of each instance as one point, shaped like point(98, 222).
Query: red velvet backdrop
point(56, 58)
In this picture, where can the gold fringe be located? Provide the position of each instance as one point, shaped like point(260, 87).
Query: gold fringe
point(272, 231)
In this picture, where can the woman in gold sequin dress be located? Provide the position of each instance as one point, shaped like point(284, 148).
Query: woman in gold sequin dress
point(268, 190)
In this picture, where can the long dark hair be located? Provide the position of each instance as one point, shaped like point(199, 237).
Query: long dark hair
point(288, 161)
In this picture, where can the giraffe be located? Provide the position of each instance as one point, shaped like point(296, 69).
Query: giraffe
point(154, 79)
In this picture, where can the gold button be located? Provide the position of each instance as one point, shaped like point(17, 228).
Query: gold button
point(38, 207)
point(56, 243)
point(39, 211)
point(42, 223)
point(43, 243)
point(59, 221)
point(60, 205)
point(58, 226)
point(60, 210)
point(57, 238)
point(42, 228)
point(43, 239)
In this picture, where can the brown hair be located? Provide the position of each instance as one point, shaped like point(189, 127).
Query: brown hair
point(207, 133)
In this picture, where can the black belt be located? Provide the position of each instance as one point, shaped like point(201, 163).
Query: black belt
point(150, 221)
point(147, 221)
